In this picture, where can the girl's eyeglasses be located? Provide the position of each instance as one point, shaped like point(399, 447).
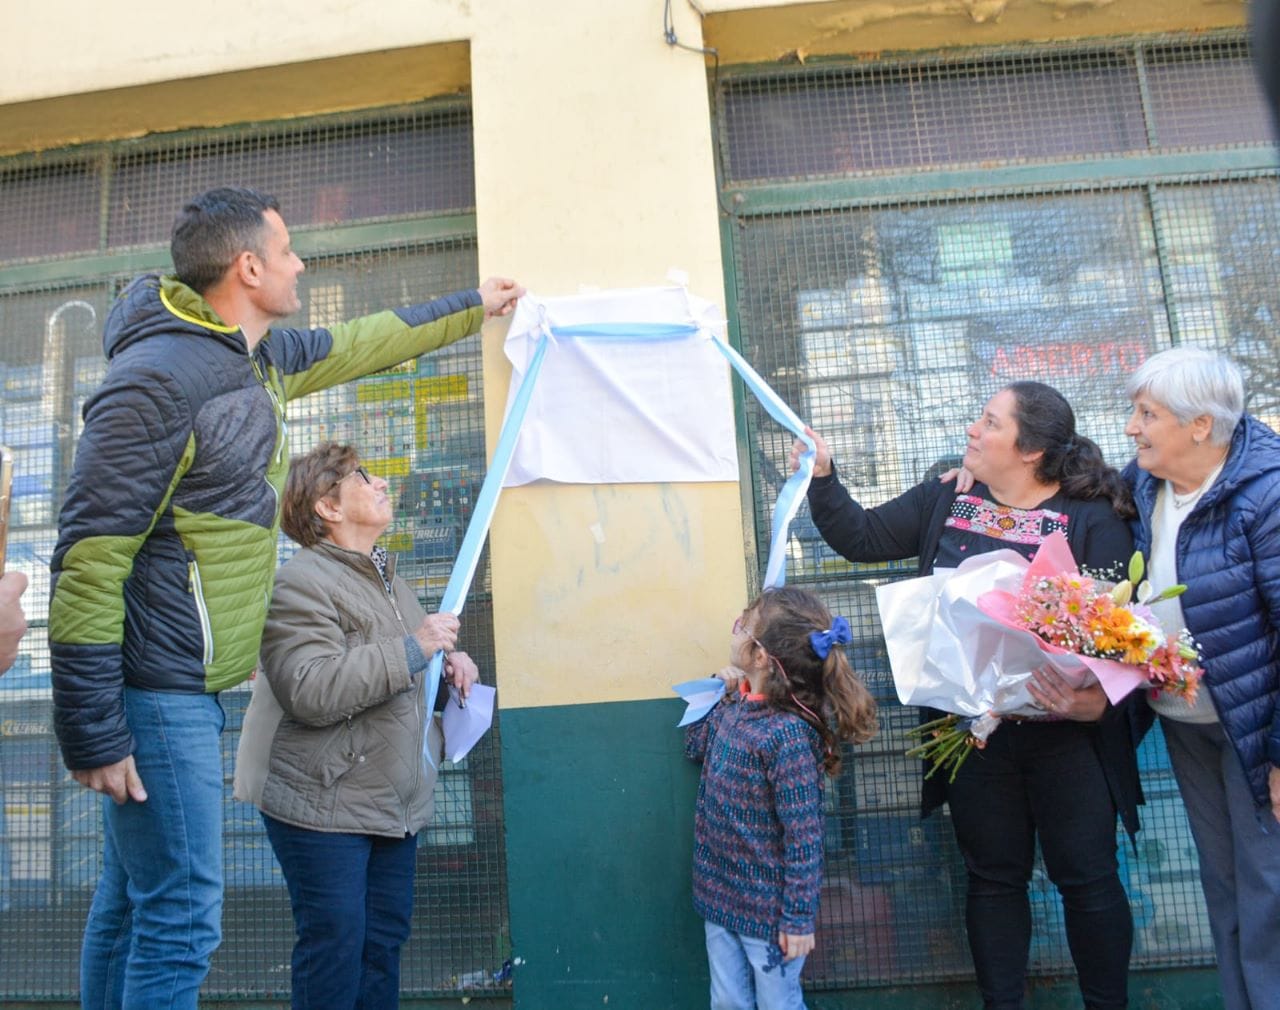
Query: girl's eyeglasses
point(740, 628)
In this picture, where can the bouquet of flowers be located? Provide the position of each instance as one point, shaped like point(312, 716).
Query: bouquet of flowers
point(988, 632)
point(1081, 615)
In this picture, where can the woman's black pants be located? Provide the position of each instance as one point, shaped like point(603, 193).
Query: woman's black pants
point(1041, 779)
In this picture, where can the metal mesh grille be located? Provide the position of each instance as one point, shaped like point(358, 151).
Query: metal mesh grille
point(962, 110)
point(887, 325)
point(49, 836)
point(1204, 94)
point(47, 211)
point(420, 424)
point(320, 175)
point(1223, 240)
point(327, 172)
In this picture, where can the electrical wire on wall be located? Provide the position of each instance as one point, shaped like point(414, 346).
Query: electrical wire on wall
point(669, 35)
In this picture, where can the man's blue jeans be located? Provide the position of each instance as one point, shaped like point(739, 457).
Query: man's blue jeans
point(156, 916)
point(352, 898)
point(749, 974)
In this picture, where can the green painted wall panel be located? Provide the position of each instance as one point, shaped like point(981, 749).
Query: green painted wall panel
point(599, 820)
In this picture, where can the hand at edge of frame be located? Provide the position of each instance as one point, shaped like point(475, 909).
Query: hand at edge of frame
point(120, 781)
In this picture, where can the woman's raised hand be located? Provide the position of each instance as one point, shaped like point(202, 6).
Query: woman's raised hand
point(821, 463)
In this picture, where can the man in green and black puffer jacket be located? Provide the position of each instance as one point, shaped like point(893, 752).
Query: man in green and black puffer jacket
point(165, 557)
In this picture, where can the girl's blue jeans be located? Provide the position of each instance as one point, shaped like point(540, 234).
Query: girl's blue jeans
point(749, 974)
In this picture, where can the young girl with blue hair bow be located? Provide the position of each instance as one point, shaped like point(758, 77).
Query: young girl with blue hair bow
point(791, 699)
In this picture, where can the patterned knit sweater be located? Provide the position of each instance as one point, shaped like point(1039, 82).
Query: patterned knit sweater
point(758, 827)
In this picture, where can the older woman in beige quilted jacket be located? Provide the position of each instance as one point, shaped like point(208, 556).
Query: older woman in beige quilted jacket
point(353, 760)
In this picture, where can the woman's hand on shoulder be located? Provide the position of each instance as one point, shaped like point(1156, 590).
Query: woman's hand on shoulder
point(1053, 694)
point(964, 480)
point(1274, 782)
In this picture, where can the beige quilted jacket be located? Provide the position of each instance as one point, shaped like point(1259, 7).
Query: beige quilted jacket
point(347, 754)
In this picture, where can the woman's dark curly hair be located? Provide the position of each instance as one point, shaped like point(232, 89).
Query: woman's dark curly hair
point(1046, 423)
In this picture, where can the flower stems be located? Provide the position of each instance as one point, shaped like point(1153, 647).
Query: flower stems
point(945, 743)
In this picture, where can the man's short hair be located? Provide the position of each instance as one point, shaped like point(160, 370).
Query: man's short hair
point(213, 229)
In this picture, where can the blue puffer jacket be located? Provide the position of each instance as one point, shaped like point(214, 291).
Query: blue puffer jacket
point(1228, 556)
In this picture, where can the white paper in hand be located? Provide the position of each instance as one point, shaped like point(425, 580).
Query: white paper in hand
point(463, 727)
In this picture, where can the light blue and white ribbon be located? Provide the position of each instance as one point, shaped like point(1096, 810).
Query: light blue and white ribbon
point(464, 566)
point(794, 490)
point(789, 497)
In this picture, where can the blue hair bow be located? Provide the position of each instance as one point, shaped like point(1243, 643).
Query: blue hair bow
point(837, 634)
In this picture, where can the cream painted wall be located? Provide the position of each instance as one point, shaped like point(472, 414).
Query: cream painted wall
point(594, 166)
point(67, 47)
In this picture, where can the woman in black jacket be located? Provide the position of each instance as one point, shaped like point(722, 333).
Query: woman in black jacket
point(1063, 777)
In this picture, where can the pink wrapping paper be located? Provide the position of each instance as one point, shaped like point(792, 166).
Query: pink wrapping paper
point(1054, 558)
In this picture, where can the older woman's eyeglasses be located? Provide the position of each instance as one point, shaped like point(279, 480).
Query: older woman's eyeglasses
point(359, 471)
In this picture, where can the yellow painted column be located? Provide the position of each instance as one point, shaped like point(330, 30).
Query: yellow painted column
point(594, 168)
point(601, 593)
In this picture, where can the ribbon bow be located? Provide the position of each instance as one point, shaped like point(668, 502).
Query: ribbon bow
point(837, 634)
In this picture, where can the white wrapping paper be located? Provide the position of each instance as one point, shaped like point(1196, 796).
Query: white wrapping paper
point(947, 654)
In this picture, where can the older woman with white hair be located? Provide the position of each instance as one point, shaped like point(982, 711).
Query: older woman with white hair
point(1206, 482)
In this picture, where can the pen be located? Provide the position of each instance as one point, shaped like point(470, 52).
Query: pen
point(457, 691)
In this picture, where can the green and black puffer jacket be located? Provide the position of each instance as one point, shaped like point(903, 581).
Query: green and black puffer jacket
point(167, 536)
